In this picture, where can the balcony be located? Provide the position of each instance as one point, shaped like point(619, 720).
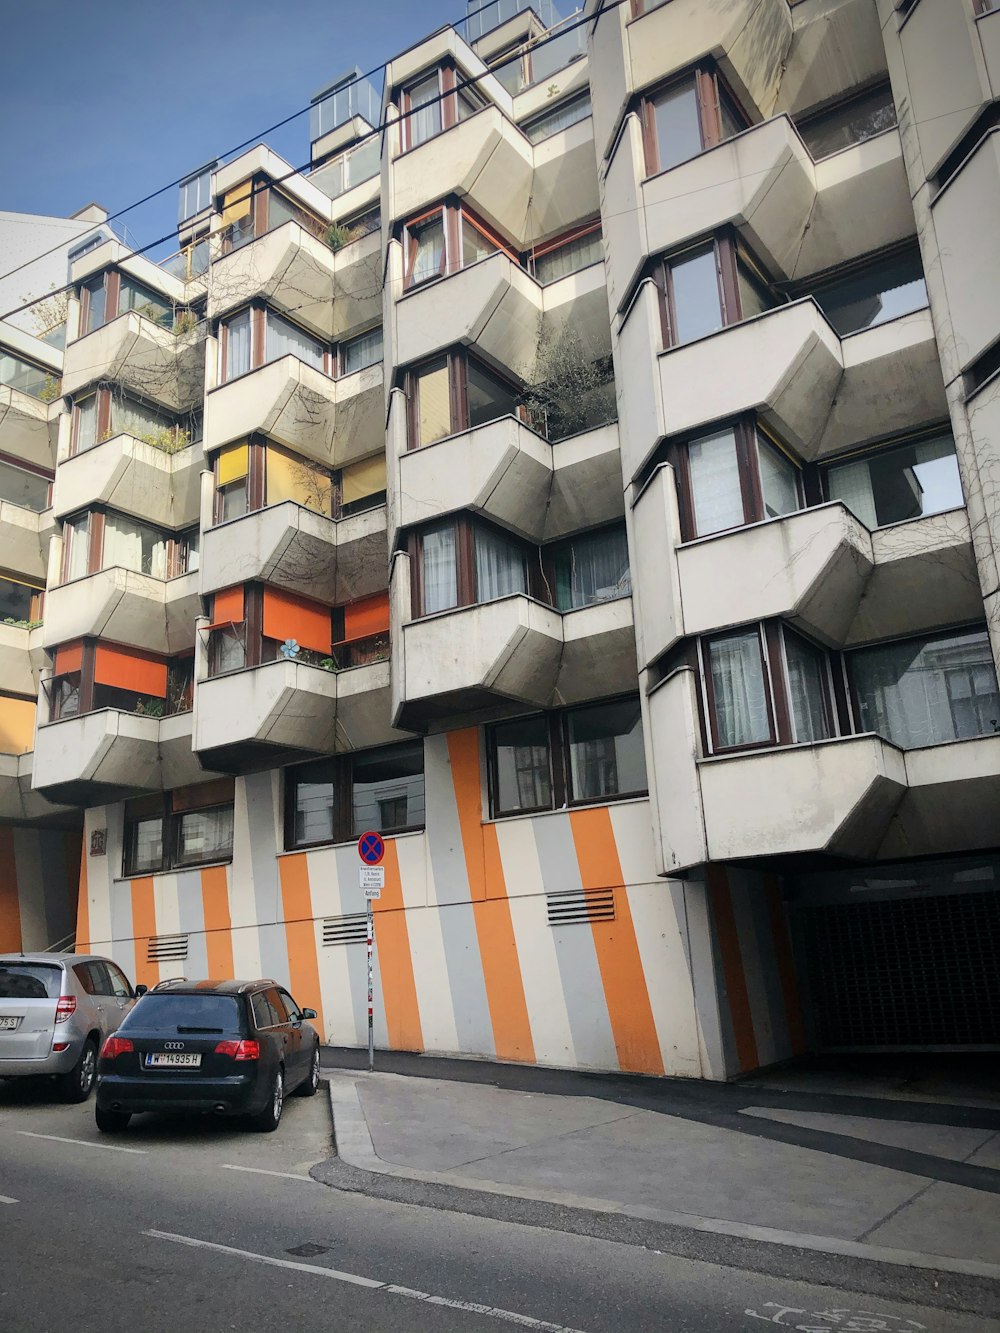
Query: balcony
point(124, 607)
point(28, 426)
point(334, 422)
point(21, 658)
point(285, 709)
point(564, 187)
point(26, 534)
point(105, 755)
point(134, 478)
point(165, 367)
point(20, 803)
point(332, 561)
point(507, 472)
point(331, 293)
point(951, 802)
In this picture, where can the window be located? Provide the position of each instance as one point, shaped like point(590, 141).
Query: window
point(132, 296)
point(92, 296)
point(337, 799)
point(422, 109)
point(430, 394)
point(291, 477)
point(439, 568)
point(543, 762)
point(135, 546)
point(361, 352)
point(236, 346)
point(282, 338)
point(881, 290)
point(765, 685)
point(27, 378)
point(425, 251)
point(21, 485)
point(488, 396)
point(357, 164)
point(188, 826)
point(733, 477)
point(130, 417)
point(558, 118)
point(558, 258)
point(90, 675)
point(687, 117)
point(918, 692)
point(899, 482)
point(849, 122)
point(456, 392)
point(195, 194)
point(463, 561)
point(708, 287)
point(20, 601)
point(85, 424)
point(444, 240)
point(592, 567)
point(76, 544)
point(500, 564)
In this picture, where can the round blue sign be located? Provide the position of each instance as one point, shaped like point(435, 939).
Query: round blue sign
point(371, 848)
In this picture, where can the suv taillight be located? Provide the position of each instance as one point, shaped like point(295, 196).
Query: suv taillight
point(115, 1046)
point(65, 1007)
point(239, 1050)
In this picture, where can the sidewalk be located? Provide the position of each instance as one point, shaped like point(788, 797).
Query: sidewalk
point(908, 1182)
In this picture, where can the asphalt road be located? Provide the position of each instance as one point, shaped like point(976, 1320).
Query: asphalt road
point(180, 1226)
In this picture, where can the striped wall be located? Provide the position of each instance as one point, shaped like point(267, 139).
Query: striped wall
point(39, 873)
point(466, 961)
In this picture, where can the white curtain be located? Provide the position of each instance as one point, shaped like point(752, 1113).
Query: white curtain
point(569, 258)
point(439, 569)
point(361, 352)
point(852, 483)
point(499, 566)
point(740, 695)
point(238, 349)
point(122, 545)
point(807, 688)
point(428, 258)
point(715, 483)
point(131, 418)
point(425, 111)
point(285, 339)
point(594, 569)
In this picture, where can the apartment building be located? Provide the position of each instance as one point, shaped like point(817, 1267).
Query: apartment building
point(585, 471)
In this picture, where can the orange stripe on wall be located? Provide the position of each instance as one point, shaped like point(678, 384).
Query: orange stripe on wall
point(83, 905)
point(786, 963)
point(10, 906)
point(720, 896)
point(143, 928)
point(399, 990)
point(218, 922)
point(300, 934)
point(625, 989)
point(491, 910)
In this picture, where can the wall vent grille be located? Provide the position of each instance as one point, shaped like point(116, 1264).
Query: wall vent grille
point(579, 906)
point(167, 949)
point(352, 929)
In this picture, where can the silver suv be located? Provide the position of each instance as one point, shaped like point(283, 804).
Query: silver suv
point(55, 1011)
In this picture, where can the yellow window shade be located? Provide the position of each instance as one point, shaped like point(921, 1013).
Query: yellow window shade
point(292, 478)
point(17, 725)
point(362, 479)
point(236, 203)
point(434, 404)
point(234, 462)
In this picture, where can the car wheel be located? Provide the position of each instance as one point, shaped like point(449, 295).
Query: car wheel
point(77, 1083)
point(112, 1122)
point(308, 1088)
point(266, 1121)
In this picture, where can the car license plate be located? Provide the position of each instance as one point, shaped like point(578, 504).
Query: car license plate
point(8, 1023)
point(167, 1059)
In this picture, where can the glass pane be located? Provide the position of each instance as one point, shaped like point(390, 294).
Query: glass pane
point(15, 600)
point(731, 120)
point(361, 352)
point(569, 258)
point(234, 500)
point(778, 481)
point(77, 533)
point(285, 339)
point(129, 417)
point(205, 835)
point(715, 483)
point(131, 296)
point(26, 378)
point(678, 127)
point(592, 568)
point(433, 403)
point(424, 120)
point(27, 490)
point(897, 484)
point(96, 303)
point(474, 244)
point(500, 565)
point(606, 754)
point(147, 846)
point(559, 118)
point(489, 396)
point(859, 119)
point(739, 690)
point(440, 572)
point(807, 688)
point(697, 305)
point(134, 546)
point(388, 788)
point(281, 210)
point(238, 346)
point(883, 291)
point(426, 243)
point(289, 477)
point(755, 297)
point(523, 771)
point(86, 424)
point(926, 692)
point(314, 803)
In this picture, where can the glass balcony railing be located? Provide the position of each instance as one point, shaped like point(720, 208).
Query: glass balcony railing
point(360, 163)
point(27, 378)
point(483, 19)
point(336, 106)
point(536, 61)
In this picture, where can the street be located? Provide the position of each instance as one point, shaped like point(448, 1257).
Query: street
point(196, 1224)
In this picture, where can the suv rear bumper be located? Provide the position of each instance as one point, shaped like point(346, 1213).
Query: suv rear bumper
point(240, 1094)
point(56, 1062)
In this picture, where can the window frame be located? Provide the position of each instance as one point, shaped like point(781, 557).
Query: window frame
point(862, 452)
point(86, 686)
point(555, 243)
point(457, 363)
point(465, 526)
point(343, 798)
point(815, 286)
point(160, 806)
point(258, 311)
point(709, 87)
point(454, 212)
point(733, 263)
point(447, 99)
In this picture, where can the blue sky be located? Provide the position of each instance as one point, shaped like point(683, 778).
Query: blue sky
point(110, 99)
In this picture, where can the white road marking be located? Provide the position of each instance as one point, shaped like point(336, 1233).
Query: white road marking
point(471, 1307)
point(5, 1198)
point(260, 1171)
point(86, 1143)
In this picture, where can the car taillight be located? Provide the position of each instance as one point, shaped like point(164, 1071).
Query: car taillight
point(239, 1050)
point(65, 1007)
point(115, 1046)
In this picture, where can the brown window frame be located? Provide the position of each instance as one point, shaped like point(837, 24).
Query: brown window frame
point(448, 95)
point(23, 465)
point(709, 86)
point(159, 805)
point(87, 686)
point(111, 282)
point(732, 261)
point(102, 424)
point(343, 792)
point(458, 398)
point(538, 585)
point(453, 212)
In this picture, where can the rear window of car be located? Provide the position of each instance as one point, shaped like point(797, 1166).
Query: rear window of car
point(30, 981)
point(185, 1013)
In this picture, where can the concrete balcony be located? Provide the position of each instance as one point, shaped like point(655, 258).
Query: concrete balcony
point(283, 709)
point(22, 656)
point(485, 158)
point(20, 803)
point(134, 478)
point(330, 293)
point(508, 473)
point(564, 188)
point(951, 802)
point(102, 756)
point(28, 427)
point(163, 366)
point(124, 607)
point(334, 422)
point(332, 561)
point(25, 539)
point(598, 656)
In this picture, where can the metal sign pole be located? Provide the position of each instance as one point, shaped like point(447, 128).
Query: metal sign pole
point(371, 1025)
point(371, 880)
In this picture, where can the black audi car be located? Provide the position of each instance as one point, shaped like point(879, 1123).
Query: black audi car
point(223, 1047)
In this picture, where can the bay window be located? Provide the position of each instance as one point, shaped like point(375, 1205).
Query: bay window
point(151, 305)
point(20, 602)
point(707, 287)
point(592, 567)
point(109, 540)
point(360, 352)
point(445, 239)
point(115, 292)
point(571, 756)
point(337, 799)
point(873, 292)
point(849, 122)
point(26, 377)
point(184, 827)
point(899, 481)
point(567, 254)
point(283, 338)
point(732, 477)
point(90, 675)
point(687, 117)
point(557, 118)
point(456, 392)
point(501, 566)
point(258, 472)
point(461, 562)
point(258, 335)
point(24, 485)
point(108, 411)
point(434, 103)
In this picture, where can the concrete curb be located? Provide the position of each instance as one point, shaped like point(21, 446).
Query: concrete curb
point(355, 1147)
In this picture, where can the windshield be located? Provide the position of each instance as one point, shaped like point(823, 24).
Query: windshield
point(30, 981)
point(185, 1013)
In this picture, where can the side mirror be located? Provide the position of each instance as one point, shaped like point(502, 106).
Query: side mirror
point(308, 1013)
point(140, 990)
